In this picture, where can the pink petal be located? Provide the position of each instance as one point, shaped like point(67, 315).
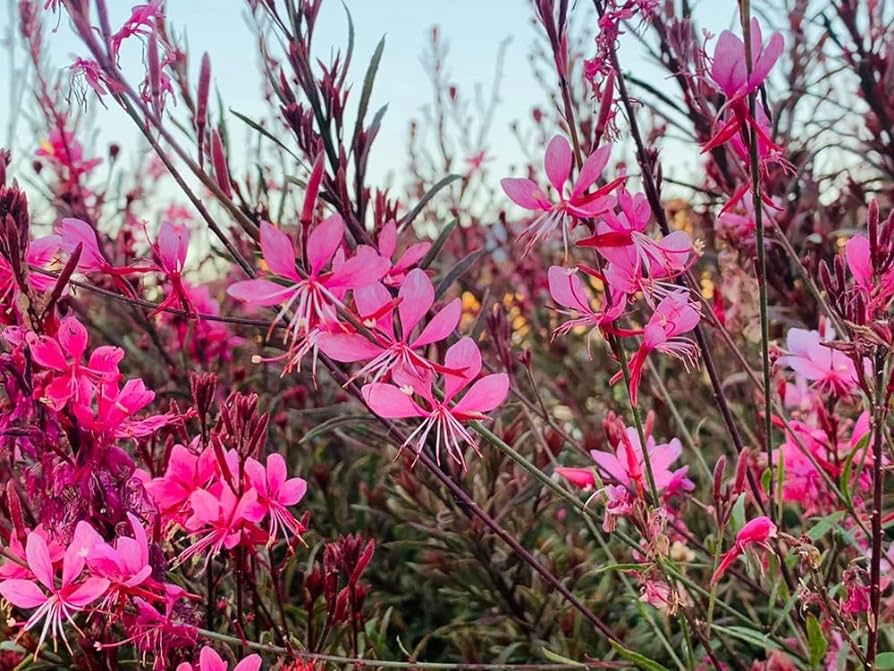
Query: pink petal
point(580, 477)
point(205, 507)
point(609, 465)
point(567, 289)
point(38, 557)
point(591, 170)
point(276, 472)
point(858, 260)
point(348, 347)
point(557, 162)
point(389, 402)
point(209, 660)
point(256, 475)
point(524, 193)
point(370, 300)
point(250, 663)
point(260, 292)
point(173, 243)
point(387, 240)
point(767, 58)
point(74, 232)
point(42, 250)
point(323, 241)
point(416, 297)
point(441, 325)
point(292, 491)
point(361, 270)
point(278, 250)
point(22, 593)
point(465, 358)
point(414, 254)
point(728, 69)
point(105, 359)
point(485, 395)
point(47, 353)
point(72, 337)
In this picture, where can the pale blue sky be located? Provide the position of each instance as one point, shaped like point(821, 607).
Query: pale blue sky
point(473, 29)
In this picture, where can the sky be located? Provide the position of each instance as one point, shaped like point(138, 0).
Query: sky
point(473, 30)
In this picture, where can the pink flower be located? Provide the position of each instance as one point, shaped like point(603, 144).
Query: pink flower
point(72, 381)
point(673, 317)
point(142, 19)
point(218, 519)
point(313, 300)
point(569, 208)
point(209, 660)
point(387, 243)
point(186, 472)
point(170, 250)
point(567, 289)
point(126, 563)
point(64, 151)
point(756, 532)
point(276, 493)
point(40, 253)
point(92, 73)
point(116, 409)
point(443, 417)
point(375, 306)
point(830, 370)
point(56, 605)
point(729, 74)
point(879, 290)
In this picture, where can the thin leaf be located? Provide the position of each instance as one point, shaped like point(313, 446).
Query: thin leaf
point(750, 636)
point(638, 659)
point(816, 641)
point(266, 133)
point(556, 657)
point(332, 424)
point(885, 661)
point(456, 272)
point(431, 193)
point(438, 244)
point(366, 92)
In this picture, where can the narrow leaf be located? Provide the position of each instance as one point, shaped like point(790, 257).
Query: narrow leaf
point(431, 193)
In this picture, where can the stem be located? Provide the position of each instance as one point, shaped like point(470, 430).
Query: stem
point(878, 477)
point(757, 204)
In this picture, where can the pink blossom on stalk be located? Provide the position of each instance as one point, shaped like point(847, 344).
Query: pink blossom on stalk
point(387, 244)
point(829, 369)
point(209, 660)
point(312, 299)
point(577, 204)
point(71, 380)
point(755, 532)
point(219, 518)
point(375, 306)
point(74, 232)
point(729, 74)
point(186, 472)
point(116, 409)
point(142, 19)
point(54, 605)
point(858, 255)
point(64, 151)
point(674, 316)
point(569, 291)
point(276, 494)
point(125, 564)
point(39, 254)
point(93, 74)
point(443, 417)
point(170, 250)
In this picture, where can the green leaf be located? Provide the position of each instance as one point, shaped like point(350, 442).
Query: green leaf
point(816, 641)
point(556, 657)
point(266, 133)
point(438, 244)
point(331, 425)
point(456, 272)
point(638, 659)
point(885, 661)
point(621, 567)
point(824, 525)
point(738, 513)
point(412, 214)
point(751, 636)
point(368, 86)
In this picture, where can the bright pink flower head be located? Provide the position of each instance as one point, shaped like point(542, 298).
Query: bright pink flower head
point(66, 154)
point(674, 316)
point(186, 472)
point(443, 418)
point(571, 206)
point(877, 291)
point(116, 409)
point(219, 519)
point(729, 69)
point(74, 232)
point(40, 254)
point(829, 369)
point(209, 660)
point(54, 606)
point(312, 301)
point(755, 532)
point(125, 564)
point(375, 306)
point(568, 290)
point(387, 244)
point(276, 494)
point(72, 380)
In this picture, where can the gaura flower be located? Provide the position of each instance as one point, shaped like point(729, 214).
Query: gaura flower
point(755, 532)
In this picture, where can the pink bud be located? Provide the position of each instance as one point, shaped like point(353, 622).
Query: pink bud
point(219, 159)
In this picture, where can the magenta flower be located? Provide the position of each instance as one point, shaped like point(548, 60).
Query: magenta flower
point(54, 605)
point(375, 306)
point(878, 291)
point(755, 532)
point(441, 417)
point(93, 74)
point(126, 563)
point(71, 380)
point(218, 519)
point(674, 316)
point(186, 472)
point(387, 244)
point(567, 289)
point(209, 660)
point(313, 300)
point(831, 370)
point(40, 253)
point(276, 494)
point(64, 151)
point(729, 74)
point(170, 250)
point(115, 411)
point(577, 204)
